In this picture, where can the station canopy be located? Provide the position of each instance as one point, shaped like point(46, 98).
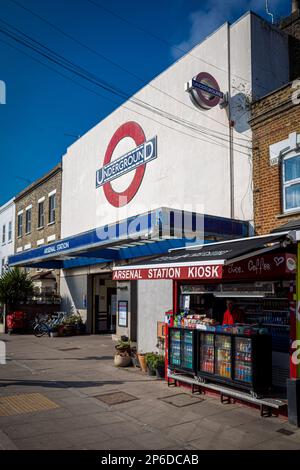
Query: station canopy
point(144, 235)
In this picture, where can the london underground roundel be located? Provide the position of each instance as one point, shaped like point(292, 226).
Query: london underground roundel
point(134, 160)
point(204, 91)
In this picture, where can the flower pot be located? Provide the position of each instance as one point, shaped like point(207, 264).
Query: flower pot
point(53, 334)
point(142, 361)
point(122, 361)
point(68, 330)
point(160, 372)
point(151, 372)
point(135, 360)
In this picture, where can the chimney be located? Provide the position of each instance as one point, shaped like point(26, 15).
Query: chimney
point(295, 6)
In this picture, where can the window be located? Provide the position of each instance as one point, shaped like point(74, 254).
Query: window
point(28, 221)
point(3, 234)
point(41, 215)
point(291, 183)
point(2, 266)
point(20, 225)
point(52, 206)
point(9, 239)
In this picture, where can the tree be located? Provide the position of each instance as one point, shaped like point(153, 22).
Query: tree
point(15, 287)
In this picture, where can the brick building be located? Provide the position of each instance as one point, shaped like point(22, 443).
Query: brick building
point(275, 124)
point(276, 159)
point(38, 219)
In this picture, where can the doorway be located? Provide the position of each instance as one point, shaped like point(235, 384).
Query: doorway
point(104, 304)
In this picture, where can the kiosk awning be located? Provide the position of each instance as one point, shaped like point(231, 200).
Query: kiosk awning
point(202, 262)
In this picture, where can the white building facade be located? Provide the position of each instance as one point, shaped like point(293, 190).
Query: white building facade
point(168, 150)
point(7, 227)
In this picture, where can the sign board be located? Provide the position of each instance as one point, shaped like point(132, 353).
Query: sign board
point(207, 88)
point(172, 272)
point(123, 313)
point(264, 266)
point(136, 159)
point(257, 267)
point(204, 91)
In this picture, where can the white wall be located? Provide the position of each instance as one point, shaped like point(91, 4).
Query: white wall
point(154, 299)
point(188, 162)
point(7, 214)
point(185, 165)
point(192, 170)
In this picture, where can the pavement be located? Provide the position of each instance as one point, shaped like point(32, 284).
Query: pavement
point(51, 397)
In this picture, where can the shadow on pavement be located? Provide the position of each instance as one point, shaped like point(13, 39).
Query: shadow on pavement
point(59, 383)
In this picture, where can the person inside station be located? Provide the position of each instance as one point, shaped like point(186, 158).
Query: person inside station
point(233, 314)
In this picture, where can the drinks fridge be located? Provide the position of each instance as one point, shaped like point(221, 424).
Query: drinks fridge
point(182, 349)
point(240, 361)
point(207, 353)
point(243, 360)
point(223, 351)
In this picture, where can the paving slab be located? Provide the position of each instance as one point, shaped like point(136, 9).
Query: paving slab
point(73, 378)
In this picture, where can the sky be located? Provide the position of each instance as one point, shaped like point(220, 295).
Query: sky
point(47, 107)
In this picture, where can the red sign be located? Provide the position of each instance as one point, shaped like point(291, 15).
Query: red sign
point(258, 267)
point(171, 272)
point(264, 266)
point(133, 130)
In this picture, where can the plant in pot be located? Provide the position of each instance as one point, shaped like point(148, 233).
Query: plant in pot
point(151, 363)
point(77, 323)
point(160, 366)
point(134, 357)
point(54, 331)
point(123, 354)
point(16, 288)
point(142, 361)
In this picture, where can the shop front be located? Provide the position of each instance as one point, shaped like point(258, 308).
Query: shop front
point(233, 322)
point(86, 261)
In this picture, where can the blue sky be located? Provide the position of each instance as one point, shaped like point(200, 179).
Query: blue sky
point(42, 106)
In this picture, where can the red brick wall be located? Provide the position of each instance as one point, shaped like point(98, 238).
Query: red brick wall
point(273, 119)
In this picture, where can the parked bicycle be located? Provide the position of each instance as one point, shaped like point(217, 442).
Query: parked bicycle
point(45, 324)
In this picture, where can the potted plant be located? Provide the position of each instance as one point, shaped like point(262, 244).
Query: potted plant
point(151, 363)
point(54, 331)
point(160, 367)
point(123, 354)
point(142, 361)
point(134, 357)
point(15, 288)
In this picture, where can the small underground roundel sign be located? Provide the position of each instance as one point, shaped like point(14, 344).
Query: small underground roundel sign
point(204, 91)
point(143, 151)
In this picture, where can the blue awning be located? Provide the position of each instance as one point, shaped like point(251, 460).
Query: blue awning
point(147, 234)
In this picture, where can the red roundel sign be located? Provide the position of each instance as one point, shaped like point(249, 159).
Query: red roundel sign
point(135, 160)
point(207, 100)
point(204, 91)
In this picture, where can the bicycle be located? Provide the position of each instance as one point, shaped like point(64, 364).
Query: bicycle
point(44, 325)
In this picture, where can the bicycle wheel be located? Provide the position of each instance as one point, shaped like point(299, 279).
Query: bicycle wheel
point(40, 329)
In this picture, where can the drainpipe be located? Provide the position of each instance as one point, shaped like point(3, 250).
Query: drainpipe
point(230, 129)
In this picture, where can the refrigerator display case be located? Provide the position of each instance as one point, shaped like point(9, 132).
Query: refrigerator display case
point(243, 360)
point(239, 361)
point(207, 353)
point(223, 356)
point(182, 349)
